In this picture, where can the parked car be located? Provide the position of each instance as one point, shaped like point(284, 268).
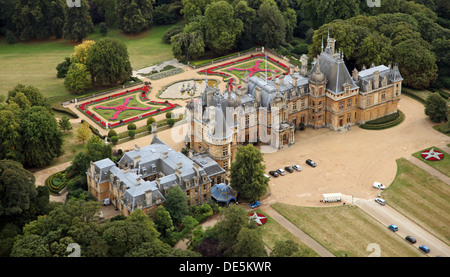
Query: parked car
point(378, 185)
point(380, 201)
point(289, 169)
point(281, 171)
point(267, 176)
point(393, 227)
point(410, 239)
point(255, 204)
point(274, 173)
point(297, 167)
point(311, 163)
point(424, 248)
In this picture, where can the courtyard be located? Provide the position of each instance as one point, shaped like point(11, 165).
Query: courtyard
point(349, 162)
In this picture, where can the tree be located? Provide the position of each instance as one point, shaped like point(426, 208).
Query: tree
point(108, 62)
point(81, 51)
point(78, 22)
point(10, 39)
point(42, 140)
point(124, 236)
point(38, 18)
point(193, 8)
point(83, 132)
point(188, 46)
point(17, 191)
point(436, 108)
point(103, 29)
point(416, 63)
point(287, 248)
point(231, 221)
point(78, 79)
point(247, 173)
point(32, 93)
point(64, 124)
point(63, 67)
point(176, 204)
point(325, 11)
point(271, 27)
point(222, 29)
point(376, 49)
point(247, 15)
point(249, 244)
point(28, 246)
point(134, 15)
point(164, 225)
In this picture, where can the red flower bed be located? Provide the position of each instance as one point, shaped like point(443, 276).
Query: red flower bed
point(432, 155)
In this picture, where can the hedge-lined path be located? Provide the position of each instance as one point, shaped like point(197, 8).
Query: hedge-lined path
point(43, 174)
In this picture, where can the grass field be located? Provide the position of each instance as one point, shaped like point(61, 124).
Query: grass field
point(443, 165)
point(35, 62)
point(346, 231)
point(272, 232)
point(421, 197)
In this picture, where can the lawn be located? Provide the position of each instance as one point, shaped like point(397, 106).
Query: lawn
point(421, 197)
point(35, 62)
point(272, 232)
point(346, 231)
point(251, 64)
point(443, 165)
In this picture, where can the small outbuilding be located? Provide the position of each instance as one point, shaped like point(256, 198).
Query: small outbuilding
point(223, 193)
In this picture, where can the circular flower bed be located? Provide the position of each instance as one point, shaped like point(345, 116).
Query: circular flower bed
point(432, 155)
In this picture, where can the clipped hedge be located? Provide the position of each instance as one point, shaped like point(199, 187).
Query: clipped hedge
point(370, 125)
point(57, 107)
point(56, 182)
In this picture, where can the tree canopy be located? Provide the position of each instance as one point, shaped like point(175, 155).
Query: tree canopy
point(247, 173)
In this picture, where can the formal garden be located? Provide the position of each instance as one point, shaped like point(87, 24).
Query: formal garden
point(124, 107)
point(251, 65)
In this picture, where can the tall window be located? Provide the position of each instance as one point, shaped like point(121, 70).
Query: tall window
point(225, 151)
point(383, 95)
point(349, 103)
point(294, 105)
point(341, 105)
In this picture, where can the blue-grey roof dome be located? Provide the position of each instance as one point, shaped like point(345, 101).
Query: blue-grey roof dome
point(223, 193)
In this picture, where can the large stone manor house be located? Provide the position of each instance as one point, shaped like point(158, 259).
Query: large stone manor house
point(269, 111)
point(144, 175)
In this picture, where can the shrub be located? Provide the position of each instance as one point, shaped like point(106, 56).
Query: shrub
point(114, 140)
point(112, 133)
point(170, 122)
point(149, 128)
point(131, 126)
point(169, 115)
point(131, 133)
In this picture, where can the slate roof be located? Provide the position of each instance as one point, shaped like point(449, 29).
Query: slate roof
point(154, 159)
point(335, 71)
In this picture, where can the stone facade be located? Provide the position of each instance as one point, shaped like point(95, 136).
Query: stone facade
point(269, 111)
point(144, 175)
